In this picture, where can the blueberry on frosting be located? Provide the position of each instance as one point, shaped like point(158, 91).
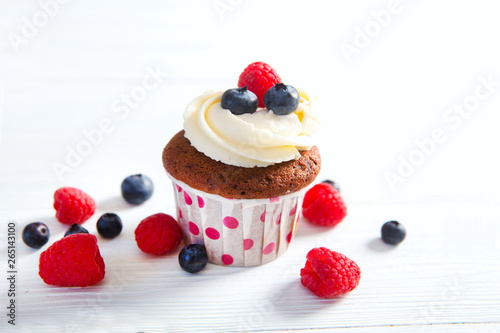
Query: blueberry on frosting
point(282, 99)
point(239, 101)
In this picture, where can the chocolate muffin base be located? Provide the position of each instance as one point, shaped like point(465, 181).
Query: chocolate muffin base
point(185, 163)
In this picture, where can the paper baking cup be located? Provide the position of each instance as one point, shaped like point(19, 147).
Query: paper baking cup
point(237, 232)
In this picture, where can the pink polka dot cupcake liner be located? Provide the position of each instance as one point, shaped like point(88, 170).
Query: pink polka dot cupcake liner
point(237, 232)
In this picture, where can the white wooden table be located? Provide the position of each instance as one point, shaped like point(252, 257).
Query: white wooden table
point(410, 131)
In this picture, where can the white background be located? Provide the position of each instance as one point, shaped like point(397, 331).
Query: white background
point(70, 72)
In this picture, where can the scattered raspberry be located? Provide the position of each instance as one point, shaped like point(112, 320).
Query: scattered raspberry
point(329, 274)
point(259, 77)
point(73, 205)
point(158, 234)
point(323, 205)
point(73, 261)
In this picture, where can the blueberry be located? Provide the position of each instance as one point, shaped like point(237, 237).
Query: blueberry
point(193, 258)
point(76, 229)
point(136, 189)
point(109, 225)
point(36, 235)
point(281, 99)
point(393, 232)
point(332, 183)
point(239, 101)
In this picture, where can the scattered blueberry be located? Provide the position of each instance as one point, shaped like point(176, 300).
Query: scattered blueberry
point(332, 183)
point(36, 235)
point(193, 258)
point(239, 101)
point(393, 232)
point(76, 229)
point(281, 99)
point(109, 225)
point(136, 189)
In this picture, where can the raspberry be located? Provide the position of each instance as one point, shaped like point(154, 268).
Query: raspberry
point(73, 205)
point(73, 261)
point(258, 77)
point(329, 274)
point(323, 205)
point(158, 234)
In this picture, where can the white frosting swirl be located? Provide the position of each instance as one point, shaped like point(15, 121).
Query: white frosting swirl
point(248, 140)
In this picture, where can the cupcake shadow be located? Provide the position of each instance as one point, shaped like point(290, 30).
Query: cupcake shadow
point(305, 228)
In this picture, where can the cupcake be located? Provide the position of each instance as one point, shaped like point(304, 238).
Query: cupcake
point(241, 166)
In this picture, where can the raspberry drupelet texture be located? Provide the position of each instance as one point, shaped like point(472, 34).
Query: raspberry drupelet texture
point(329, 274)
point(158, 234)
point(73, 261)
point(258, 77)
point(73, 205)
point(323, 205)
